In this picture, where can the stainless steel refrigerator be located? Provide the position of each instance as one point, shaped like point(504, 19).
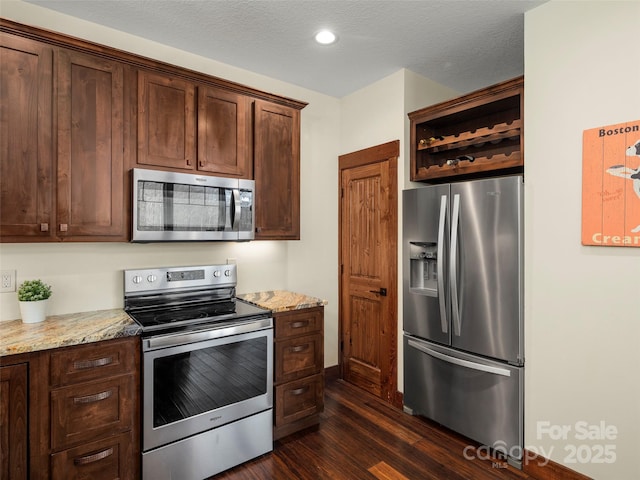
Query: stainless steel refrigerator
point(463, 309)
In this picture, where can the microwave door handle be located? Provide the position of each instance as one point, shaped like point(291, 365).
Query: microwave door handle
point(235, 209)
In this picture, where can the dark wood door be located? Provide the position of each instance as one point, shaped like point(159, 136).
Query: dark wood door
point(13, 422)
point(166, 121)
point(224, 132)
point(91, 175)
point(26, 144)
point(368, 266)
point(277, 171)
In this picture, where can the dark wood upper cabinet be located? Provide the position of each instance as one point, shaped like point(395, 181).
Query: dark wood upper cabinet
point(277, 171)
point(166, 121)
point(76, 192)
point(91, 175)
point(210, 135)
point(224, 132)
point(69, 136)
point(26, 139)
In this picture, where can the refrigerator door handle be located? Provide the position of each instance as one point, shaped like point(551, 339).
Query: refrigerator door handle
point(460, 362)
point(440, 264)
point(453, 265)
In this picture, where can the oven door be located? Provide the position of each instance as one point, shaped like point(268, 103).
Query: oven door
point(197, 381)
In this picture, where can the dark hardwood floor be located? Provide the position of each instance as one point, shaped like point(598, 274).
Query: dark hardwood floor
point(361, 437)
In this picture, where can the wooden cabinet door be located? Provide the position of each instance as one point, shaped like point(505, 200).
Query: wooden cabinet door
point(166, 121)
point(13, 422)
point(224, 132)
point(91, 175)
point(26, 145)
point(277, 171)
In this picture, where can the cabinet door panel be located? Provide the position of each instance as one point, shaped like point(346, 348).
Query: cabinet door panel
point(90, 146)
point(299, 399)
point(13, 422)
point(298, 357)
point(108, 459)
point(94, 361)
point(277, 171)
point(223, 132)
point(26, 146)
point(83, 412)
point(166, 121)
point(298, 322)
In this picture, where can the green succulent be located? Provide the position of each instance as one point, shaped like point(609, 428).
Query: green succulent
point(33, 290)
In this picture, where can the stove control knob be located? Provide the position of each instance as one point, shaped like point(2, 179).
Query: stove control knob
point(216, 273)
point(137, 279)
point(227, 273)
point(151, 278)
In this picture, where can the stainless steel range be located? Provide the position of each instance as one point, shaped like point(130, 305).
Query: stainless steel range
point(207, 371)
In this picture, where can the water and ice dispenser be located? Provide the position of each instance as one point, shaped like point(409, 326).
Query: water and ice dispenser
point(423, 268)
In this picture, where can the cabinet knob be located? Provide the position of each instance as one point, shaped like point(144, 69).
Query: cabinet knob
point(44, 227)
point(63, 227)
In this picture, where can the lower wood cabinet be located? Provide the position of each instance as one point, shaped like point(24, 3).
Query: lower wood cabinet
point(94, 410)
point(13, 421)
point(298, 370)
point(80, 419)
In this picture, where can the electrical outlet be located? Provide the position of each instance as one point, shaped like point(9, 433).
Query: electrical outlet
point(8, 280)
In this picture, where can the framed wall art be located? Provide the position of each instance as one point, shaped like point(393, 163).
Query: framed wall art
point(611, 185)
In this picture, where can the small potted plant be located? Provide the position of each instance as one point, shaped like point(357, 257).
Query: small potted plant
point(33, 296)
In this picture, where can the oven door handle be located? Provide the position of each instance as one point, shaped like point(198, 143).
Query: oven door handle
point(183, 338)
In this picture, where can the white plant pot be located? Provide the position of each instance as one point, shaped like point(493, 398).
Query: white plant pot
point(33, 312)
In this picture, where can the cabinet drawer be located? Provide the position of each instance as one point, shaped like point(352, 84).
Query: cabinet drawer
point(108, 459)
point(94, 361)
point(298, 357)
point(83, 412)
point(299, 399)
point(298, 322)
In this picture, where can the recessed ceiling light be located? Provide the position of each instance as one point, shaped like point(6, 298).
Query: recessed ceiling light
point(325, 37)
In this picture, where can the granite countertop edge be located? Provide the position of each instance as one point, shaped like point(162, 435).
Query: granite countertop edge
point(65, 330)
point(282, 300)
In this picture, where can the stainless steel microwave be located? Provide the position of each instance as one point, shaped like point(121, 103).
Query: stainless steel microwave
point(182, 207)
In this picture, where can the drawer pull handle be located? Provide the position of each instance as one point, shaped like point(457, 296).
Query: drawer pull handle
point(100, 362)
point(93, 458)
point(93, 398)
point(299, 348)
point(299, 391)
point(300, 324)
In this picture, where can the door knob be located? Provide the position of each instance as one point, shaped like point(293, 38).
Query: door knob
point(382, 291)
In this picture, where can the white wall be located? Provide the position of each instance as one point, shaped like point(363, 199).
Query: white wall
point(88, 276)
point(582, 319)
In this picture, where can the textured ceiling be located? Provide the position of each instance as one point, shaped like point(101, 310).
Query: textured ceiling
point(463, 44)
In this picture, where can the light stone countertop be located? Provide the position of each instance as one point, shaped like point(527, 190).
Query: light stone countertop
point(87, 327)
point(65, 330)
point(282, 300)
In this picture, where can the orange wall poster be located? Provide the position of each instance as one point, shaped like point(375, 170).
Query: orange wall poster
point(611, 185)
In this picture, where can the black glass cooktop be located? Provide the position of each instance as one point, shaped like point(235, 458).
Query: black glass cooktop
point(162, 318)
